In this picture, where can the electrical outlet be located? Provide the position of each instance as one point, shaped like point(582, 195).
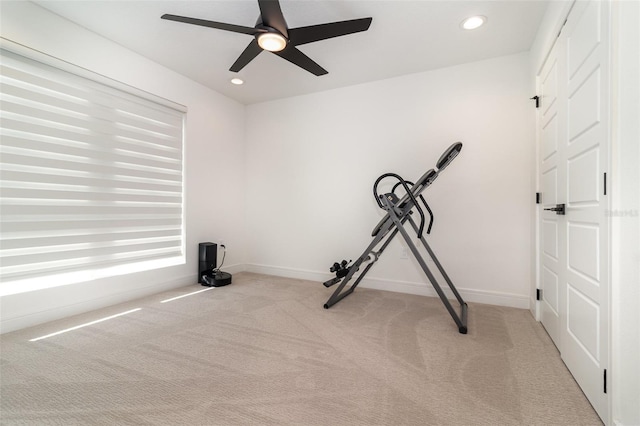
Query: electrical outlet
point(404, 254)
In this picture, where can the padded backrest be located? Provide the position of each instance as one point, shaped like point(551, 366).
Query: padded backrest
point(425, 180)
point(447, 157)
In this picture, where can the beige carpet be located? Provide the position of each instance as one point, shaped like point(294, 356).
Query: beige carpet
point(263, 351)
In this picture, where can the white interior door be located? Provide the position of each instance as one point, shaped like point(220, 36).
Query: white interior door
point(574, 247)
point(587, 160)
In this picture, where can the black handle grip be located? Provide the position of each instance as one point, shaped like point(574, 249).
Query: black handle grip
point(559, 209)
point(409, 193)
point(423, 202)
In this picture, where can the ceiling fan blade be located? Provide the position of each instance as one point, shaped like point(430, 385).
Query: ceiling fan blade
point(303, 35)
point(272, 16)
point(298, 58)
point(250, 52)
point(211, 24)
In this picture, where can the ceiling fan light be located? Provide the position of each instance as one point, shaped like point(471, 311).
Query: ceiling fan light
point(272, 42)
point(473, 22)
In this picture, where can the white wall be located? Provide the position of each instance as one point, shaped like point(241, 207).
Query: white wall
point(312, 161)
point(214, 131)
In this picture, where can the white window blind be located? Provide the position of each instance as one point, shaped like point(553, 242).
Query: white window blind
point(91, 178)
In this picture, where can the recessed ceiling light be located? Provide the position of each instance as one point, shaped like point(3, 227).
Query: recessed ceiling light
point(237, 81)
point(473, 22)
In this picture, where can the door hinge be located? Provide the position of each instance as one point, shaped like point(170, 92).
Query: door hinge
point(605, 380)
point(537, 99)
point(605, 184)
point(538, 294)
point(538, 197)
point(563, 24)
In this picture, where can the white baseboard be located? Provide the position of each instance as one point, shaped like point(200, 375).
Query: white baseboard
point(235, 269)
point(418, 288)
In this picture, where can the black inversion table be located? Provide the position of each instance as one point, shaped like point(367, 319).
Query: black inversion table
point(399, 213)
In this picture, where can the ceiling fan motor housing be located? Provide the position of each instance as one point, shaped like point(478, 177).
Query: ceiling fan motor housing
point(270, 38)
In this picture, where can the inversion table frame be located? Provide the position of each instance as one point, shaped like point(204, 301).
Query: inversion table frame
point(399, 212)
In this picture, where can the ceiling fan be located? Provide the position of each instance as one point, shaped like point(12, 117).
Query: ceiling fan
point(272, 33)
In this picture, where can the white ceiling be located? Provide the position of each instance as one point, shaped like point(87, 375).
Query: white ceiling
point(405, 37)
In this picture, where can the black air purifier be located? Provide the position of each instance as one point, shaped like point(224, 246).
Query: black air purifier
point(208, 273)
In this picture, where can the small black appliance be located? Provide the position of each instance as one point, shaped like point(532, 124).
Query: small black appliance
point(208, 273)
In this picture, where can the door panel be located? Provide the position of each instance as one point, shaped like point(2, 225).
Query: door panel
point(583, 316)
point(583, 179)
point(550, 280)
point(582, 250)
point(550, 138)
point(585, 34)
point(584, 105)
point(549, 89)
point(550, 239)
point(550, 86)
point(550, 185)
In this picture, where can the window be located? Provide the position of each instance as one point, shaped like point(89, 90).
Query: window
point(91, 177)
